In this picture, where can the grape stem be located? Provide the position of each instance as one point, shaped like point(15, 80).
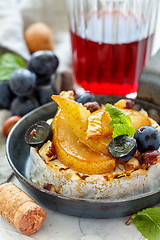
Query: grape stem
point(132, 217)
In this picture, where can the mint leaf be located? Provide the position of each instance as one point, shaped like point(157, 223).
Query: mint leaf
point(120, 122)
point(5, 73)
point(9, 62)
point(148, 223)
point(121, 129)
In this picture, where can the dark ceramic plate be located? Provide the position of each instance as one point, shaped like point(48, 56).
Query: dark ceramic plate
point(19, 158)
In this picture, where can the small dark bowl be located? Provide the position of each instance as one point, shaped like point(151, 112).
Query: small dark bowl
point(19, 158)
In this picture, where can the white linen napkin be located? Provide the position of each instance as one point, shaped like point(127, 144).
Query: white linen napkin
point(14, 14)
point(5, 169)
point(11, 40)
point(11, 33)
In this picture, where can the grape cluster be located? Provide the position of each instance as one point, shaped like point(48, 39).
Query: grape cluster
point(31, 87)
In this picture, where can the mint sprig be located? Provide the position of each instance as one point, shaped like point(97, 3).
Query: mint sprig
point(9, 62)
point(120, 122)
point(147, 222)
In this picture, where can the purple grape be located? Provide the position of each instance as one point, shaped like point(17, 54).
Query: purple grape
point(43, 63)
point(38, 133)
point(22, 105)
point(43, 80)
point(22, 82)
point(122, 147)
point(6, 95)
point(45, 92)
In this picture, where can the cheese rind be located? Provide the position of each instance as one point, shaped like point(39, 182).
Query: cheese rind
point(74, 184)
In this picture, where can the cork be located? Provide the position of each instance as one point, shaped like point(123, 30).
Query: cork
point(20, 210)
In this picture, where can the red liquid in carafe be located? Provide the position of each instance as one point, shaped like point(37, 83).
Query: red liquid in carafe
point(111, 69)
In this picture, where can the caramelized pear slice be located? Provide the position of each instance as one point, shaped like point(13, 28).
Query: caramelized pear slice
point(74, 154)
point(138, 119)
point(98, 124)
point(77, 118)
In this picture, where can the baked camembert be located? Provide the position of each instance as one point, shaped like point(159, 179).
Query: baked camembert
point(76, 162)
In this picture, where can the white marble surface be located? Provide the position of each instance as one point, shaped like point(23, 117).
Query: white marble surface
point(58, 226)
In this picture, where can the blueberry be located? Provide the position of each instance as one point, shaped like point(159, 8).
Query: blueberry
point(122, 147)
point(38, 134)
point(5, 95)
point(22, 105)
point(43, 63)
point(22, 82)
point(147, 138)
point(45, 92)
point(86, 97)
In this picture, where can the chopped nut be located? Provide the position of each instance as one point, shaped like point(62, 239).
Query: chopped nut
point(129, 104)
point(47, 151)
point(132, 164)
point(151, 157)
point(49, 187)
point(92, 106)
